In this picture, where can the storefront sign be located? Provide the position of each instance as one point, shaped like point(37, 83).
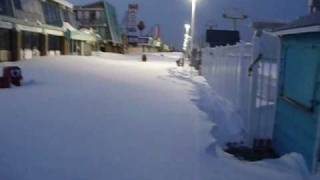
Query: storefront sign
point(54, 32)
point(29, 28)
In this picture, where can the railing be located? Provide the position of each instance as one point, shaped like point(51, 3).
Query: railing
point(245, 76)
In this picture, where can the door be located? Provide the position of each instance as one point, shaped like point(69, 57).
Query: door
point(296, 125)
point(318, 151)
point(5, 45)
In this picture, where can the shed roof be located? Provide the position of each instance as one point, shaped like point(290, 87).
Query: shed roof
point(305, 24)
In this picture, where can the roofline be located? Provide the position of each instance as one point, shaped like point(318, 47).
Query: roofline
point(79, 8)
point(299, 30)
point(65, 3)
point(92, 3)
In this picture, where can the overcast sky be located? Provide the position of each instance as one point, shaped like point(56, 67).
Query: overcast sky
point(173, 14)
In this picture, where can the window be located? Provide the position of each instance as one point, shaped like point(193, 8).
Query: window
point(98, 14)
point(69, 16)
point(17, 4)
point(304, 91)
point(86, 15)
point(6, 8)
point(66, 16)
point(80, 15)
point(52, 14)
point(92, 15)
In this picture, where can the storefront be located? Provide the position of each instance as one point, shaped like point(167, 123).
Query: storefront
point(80, 42)
point(55, 41)
point(75, 47)
point(5, 43)
point(54, 45)
point(30, 44)
point(28, 41)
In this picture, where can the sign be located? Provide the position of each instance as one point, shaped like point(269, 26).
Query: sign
point(133, 39)
point(143, 40)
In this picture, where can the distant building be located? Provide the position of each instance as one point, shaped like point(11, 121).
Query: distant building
point(102, 17)
point(131, 23)
point(31, 28)
point(314, 6)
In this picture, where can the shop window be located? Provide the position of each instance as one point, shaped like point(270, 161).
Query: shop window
point(5, 39)
point(30, 40)
point(54, 43)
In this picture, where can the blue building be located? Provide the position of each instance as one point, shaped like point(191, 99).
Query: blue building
point(102, 17)
point(297, 124)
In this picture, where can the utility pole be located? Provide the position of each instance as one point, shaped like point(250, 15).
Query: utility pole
point(235, 19)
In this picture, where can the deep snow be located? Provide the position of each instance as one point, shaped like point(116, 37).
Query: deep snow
point(114, 117)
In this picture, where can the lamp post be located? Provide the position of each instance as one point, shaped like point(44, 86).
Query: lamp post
point(186, 43)
point(193, 23)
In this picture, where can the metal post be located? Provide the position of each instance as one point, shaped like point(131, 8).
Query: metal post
point(193, 23)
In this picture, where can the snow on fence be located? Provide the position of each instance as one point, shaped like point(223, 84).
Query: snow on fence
point(245, 76)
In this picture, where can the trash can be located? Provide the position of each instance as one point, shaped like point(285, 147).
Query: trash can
point(13, 74)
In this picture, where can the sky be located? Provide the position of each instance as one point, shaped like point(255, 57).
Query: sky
point(173, 14)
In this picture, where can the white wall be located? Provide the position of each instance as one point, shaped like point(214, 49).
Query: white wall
point(252, 97)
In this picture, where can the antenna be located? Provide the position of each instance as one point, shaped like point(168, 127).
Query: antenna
point(235, 17)
point(211, 25)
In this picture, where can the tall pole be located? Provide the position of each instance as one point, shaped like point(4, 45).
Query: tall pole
point(193, 23)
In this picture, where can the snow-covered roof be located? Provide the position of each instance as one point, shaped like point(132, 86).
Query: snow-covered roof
point(65, 3)
point(310, 23)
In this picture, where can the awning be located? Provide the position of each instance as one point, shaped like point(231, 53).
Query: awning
point(6, 25)
point(81, 36)
point(53, 32)
point(21, 27)
point(75, 34)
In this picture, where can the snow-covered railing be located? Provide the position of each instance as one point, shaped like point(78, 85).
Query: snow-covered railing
point(245, 76)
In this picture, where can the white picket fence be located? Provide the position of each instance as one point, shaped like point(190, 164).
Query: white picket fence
point(252, 95)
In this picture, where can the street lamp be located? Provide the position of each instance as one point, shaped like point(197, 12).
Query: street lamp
point(186, 41)
point(193, 22)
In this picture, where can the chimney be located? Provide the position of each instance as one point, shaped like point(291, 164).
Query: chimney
point(314, 6)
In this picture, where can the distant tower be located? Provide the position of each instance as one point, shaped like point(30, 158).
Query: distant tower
point(314, 6)
point(157, 32)
point(132, 22)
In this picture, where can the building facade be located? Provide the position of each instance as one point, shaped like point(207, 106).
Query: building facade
point(102, 17)
point(30, 28)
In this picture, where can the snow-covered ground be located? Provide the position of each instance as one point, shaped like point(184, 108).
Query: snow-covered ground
point(112, 117)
